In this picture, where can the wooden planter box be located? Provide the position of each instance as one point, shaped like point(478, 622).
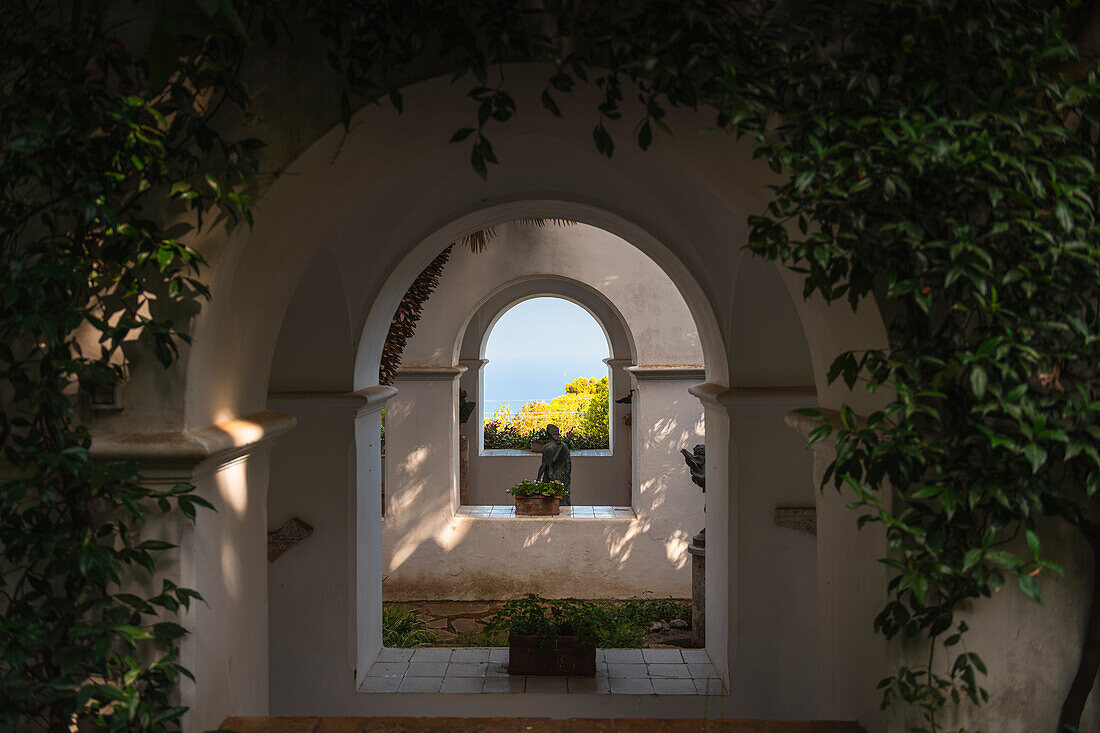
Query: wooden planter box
point(555, 655)
point(538, 506)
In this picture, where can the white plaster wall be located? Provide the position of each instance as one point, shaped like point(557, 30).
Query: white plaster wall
point(653, 311)
point(392, 192)
point(310, 587)
point(777, 628)
point(223, 557)
point(430, 553)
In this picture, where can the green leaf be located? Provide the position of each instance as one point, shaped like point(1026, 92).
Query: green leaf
point(1033, 543)
point(978, 381)
point(1065, 218)
point(1029, 587)
point(1036, 455)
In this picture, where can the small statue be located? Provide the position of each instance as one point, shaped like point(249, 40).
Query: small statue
point(697, 464)
point(465, 407)
point(556, 465)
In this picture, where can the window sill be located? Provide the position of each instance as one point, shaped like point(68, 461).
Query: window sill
point(495, 452)
point(567, 512)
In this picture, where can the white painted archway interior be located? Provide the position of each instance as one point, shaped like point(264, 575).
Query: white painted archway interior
point(301, 306)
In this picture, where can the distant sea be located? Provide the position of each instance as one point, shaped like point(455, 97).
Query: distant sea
point(538, 347)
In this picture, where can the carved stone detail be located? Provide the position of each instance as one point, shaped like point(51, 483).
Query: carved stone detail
point(798, 518)
point(294, 531)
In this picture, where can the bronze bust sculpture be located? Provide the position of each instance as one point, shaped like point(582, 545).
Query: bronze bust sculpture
point(556, 465)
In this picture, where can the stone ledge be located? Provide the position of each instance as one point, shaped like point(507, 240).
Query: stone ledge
point(534, 725)
point(189, 448)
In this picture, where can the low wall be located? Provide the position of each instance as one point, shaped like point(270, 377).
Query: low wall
point(473, 558)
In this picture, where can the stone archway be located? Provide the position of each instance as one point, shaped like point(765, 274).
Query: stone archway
point(379, 206)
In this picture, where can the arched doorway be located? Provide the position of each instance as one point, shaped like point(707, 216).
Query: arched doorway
point(679, 205)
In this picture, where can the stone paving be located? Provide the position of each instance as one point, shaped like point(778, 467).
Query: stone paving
point(527, 725)
point(485, 670)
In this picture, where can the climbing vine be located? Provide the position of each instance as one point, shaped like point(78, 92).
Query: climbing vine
point(108, 161)
point(935, 156)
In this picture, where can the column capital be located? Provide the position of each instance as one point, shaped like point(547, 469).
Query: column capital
point(668, 371)
point(429, 373)
point(183, 455)
point(734, 399)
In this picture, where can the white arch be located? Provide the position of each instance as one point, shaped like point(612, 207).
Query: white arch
point(391, 193)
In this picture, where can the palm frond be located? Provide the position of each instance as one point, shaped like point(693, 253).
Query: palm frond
point(477, 241)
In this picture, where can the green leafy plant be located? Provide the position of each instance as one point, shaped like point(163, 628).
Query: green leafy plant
point(548, 489)
point(534, 615)
point(481, 637)
point(110, 156)
point(402, 627)
point(614, 624)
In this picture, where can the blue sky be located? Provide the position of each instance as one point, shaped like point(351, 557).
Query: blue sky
point(536, 348)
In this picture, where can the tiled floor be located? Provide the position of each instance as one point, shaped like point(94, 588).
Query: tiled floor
point(567, 512)
point(618, 671)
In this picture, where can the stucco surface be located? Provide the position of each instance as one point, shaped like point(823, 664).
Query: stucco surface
point(382, 198)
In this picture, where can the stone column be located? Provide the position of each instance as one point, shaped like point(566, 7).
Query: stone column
point(470, 431)
point(768, 585)
point(222, 554)
point(421, 465)
point(321, 476)
point(666, 418)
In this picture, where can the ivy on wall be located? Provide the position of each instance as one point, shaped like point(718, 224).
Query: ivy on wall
point(938, 157)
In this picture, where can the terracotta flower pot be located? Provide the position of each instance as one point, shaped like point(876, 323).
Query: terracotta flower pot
point(538, 506)
point(553, 655)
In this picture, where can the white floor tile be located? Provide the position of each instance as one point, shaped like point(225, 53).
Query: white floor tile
point(546, 684)
point(388, 669)
point(674, 687)
point(623, 656)
point(588, 685)
point(394, 655)
point(420, 684)
point(431, 655)
point(427, 669)
point(703, 671)
point(462, 684)
point(631, 686)
point(636, 671)
point(466, 669)
point(662, 656)
point(515, 683)
point(708, 686)
point(380, 684)
point(668, 671)
point(475, 654)
point(695, 656)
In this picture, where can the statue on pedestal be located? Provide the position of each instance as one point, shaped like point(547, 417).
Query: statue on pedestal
point(556, 465)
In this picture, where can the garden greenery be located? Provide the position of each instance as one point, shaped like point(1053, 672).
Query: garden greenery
point(935, 156)
point(547, 489)
point(108, 161)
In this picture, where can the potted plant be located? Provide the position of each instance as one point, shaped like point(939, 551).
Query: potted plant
point(538, 498)
point(549, 637)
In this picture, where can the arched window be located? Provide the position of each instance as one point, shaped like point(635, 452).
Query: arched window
point(545, 365)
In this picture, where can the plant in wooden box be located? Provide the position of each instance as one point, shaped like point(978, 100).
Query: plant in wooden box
point(550, 637)
point(539, 498)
